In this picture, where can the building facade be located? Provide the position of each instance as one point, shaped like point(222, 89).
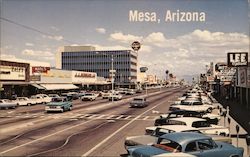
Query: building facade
point(83, 58)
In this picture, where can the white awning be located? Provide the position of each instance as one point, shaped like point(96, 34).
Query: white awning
point(59, 86)
point(37, 86)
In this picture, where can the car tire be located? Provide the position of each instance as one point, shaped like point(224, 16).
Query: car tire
point(62, 110)
point(70, 108)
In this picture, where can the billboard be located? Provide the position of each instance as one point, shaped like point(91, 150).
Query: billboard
point(13, 73)
point(237, 59)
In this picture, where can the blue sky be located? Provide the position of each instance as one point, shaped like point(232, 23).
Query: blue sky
point(182, 47)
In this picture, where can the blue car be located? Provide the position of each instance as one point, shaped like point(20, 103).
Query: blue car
point(186, 142)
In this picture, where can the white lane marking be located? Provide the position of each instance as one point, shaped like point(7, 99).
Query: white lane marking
point(101, 117)
point(119, 117)
point(1, 153)
point(117, 131)
point(145, 117)
point(111, 116)
point(128, 117)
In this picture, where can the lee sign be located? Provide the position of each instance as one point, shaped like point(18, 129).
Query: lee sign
point(237, 59)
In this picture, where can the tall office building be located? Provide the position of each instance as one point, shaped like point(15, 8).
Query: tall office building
point(86, 58)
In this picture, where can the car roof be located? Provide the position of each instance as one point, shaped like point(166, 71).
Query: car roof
point(184, 138)
point(177, 128)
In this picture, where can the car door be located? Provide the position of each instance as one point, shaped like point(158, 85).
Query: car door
point(208, 148)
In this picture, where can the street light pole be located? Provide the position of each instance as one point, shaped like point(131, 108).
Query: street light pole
point(112, 73)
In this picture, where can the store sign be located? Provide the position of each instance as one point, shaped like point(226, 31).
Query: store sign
point(237, 59)
point(12, 73)
point(35, 77)
point(85, 75)
point(136, 45)
point(242, 77)
point(40, 69)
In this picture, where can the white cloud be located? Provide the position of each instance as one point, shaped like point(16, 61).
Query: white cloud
point(101, 30)
point(54, 28)
point(58, 38)
point(189, 53)
point(46, 55)
point(29, 44)
point(120, 37)
point(7, 56)
point(115, 47)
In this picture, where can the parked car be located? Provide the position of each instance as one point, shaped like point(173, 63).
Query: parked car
point(37, 99)
point(186, 142)
point(192, 105)
point(60, 104)
point(139, 102)
point(115, 97)
point(24, 101)
point(6, 104)
point(73, 95)
point(150, 139)
point(46, 98)
point(200, 123)
point(89, 96)
point(211, 118)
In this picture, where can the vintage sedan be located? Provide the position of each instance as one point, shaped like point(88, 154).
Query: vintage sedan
point(6, 104)
point(60, 104)
point(192, 105)
point(211, 118)
point(203, 125)
point(186, 142)
point(150, 139)
point(115, 97)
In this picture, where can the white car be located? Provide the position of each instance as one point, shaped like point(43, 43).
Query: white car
point(46, 98)
point(115, 96)
point(199, 123)
point(6, 104)
point(37, 99)
point(106, 95)
point(89, 96)
point(24, 101)
point(192, 105)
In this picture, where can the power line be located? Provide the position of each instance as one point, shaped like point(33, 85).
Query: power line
point(35, 30)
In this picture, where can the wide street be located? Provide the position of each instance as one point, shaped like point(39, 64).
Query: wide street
point(92, 128)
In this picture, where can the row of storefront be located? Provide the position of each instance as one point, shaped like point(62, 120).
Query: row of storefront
point(231, 83)
point(25, 78)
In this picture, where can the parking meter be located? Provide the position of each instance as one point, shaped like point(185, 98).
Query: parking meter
point(220, 111)
point(224, 114)
point(237, 131)
point(229, 121)
point(248, 144)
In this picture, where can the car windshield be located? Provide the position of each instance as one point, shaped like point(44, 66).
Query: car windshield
point(200, 124)
point(168, 145)
point(138, 99)
point(57, 99)
point(159, 131)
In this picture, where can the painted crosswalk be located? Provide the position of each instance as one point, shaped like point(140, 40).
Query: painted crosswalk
point(80, 116)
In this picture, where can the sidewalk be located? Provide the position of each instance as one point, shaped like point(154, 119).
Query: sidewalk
point(237, 111)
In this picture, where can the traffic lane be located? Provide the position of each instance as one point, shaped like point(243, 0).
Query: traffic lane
point(113, 145)
point(51, 136)
point(17, 120)
point(53, 142)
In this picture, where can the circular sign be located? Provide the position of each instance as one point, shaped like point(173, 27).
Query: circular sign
point(136, 45)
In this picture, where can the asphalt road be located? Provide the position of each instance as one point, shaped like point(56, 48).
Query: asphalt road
point(96, 128)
